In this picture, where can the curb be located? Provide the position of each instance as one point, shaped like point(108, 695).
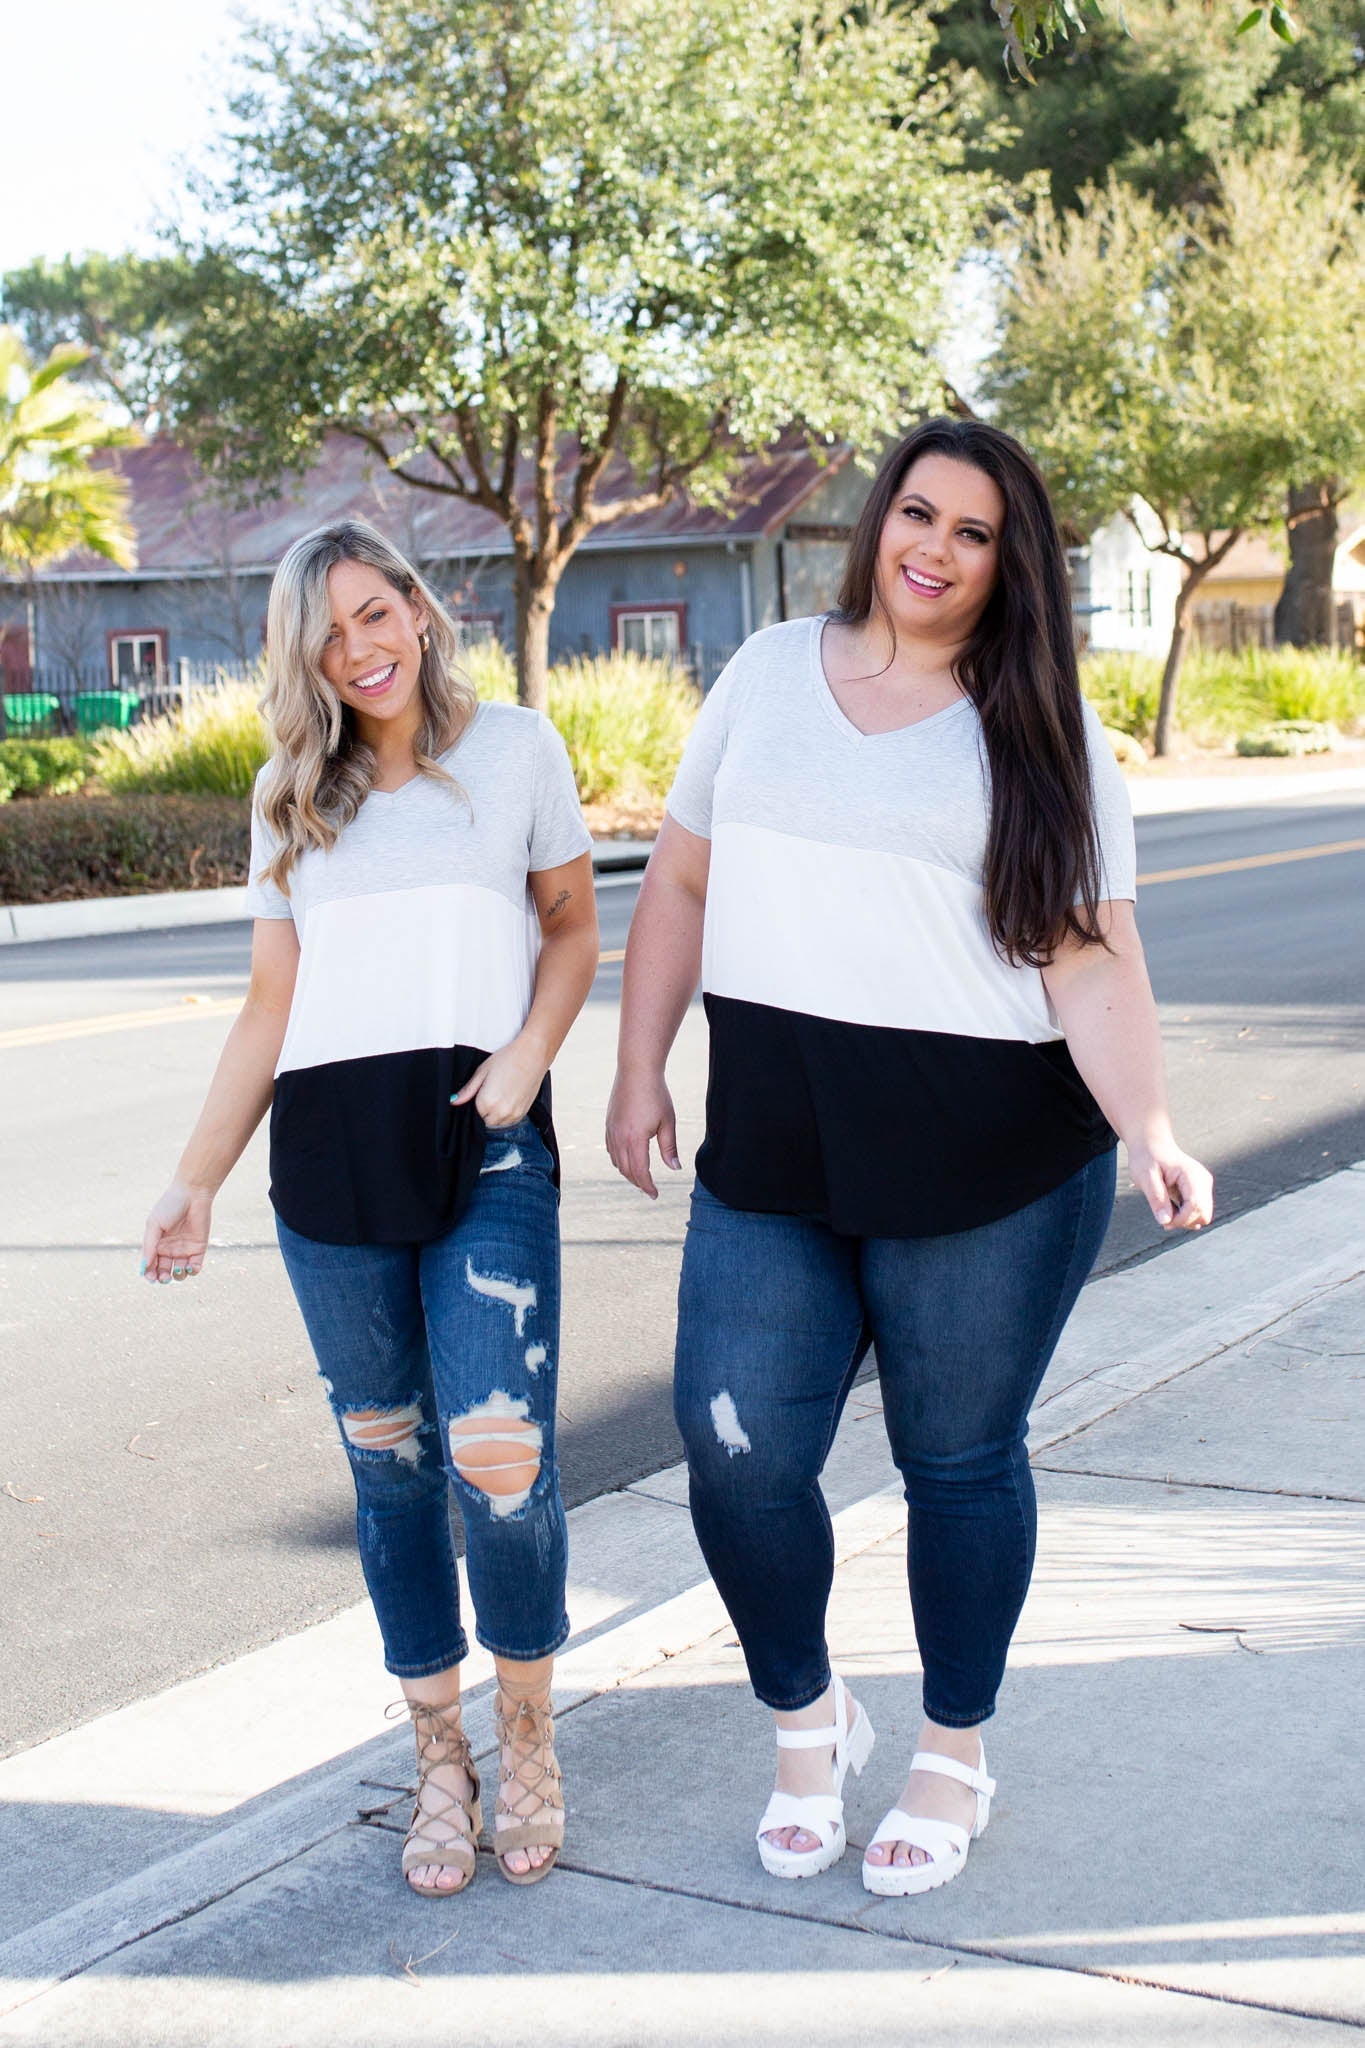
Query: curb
point(105, 916)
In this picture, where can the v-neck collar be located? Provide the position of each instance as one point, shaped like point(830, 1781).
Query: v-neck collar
point(840, 718)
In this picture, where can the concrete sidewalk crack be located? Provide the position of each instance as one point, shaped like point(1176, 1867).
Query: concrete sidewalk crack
point(988, 1952)
point(1200, 1485)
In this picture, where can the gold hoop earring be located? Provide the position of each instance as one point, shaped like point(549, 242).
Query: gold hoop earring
point(426, 642)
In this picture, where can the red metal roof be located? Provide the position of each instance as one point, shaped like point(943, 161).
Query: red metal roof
point(182, 527)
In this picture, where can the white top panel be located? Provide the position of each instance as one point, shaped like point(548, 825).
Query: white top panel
point(445, 965)
point(868, 938)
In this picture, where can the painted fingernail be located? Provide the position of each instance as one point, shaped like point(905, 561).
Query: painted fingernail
point(142, 1266)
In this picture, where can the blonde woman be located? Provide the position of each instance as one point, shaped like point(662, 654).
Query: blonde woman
point(425, 935)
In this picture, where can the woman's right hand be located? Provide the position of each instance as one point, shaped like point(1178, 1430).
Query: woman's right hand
point(177, 1233)
point(641, 1109)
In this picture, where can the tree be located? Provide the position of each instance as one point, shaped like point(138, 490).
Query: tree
point(1033, 27)
point(505, 245)
point(123, 312)
point(1199, 367)
point(1157, 98)
point(51, 498)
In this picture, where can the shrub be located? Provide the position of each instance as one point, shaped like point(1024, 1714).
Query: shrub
point(1289, 738)
point(624, 718)
point(1224, 695)
point(52, 850)
point(1124, 689)
point(214, 750)
point(625, 722)
point(43, 767)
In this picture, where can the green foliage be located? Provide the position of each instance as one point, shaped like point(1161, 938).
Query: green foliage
point(625, 722)
point(55, 767)
point(1290, 739)
point(1226, 695)
point(624, 719)
point(501, 245)
point(123, 311)
point(1156, 91)
point(218, 749)
point(1124, 689)
point(51, 499)
point(54, 850)
point(1203, 370)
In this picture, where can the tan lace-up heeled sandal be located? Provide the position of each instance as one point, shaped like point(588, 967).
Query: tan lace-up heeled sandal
point(530, 1788)
point(445, 1828)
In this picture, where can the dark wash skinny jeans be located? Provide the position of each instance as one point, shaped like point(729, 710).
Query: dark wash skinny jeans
point(775, 1315)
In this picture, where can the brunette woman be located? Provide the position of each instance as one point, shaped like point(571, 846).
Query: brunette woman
point(425, 934)
point(901, 856)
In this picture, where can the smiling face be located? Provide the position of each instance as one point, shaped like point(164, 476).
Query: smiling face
point(939, 552)
point(372, 656)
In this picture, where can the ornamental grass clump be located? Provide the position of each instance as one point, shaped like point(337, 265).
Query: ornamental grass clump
point(624, 718)
point(625, 721)
point(1224, 696)
point(214, 749)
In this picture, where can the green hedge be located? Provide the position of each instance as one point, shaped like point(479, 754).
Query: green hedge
point(42, 767)
point(55, 849)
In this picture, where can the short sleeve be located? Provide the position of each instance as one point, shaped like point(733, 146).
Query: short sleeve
point(558, 833)
point(1113, 815)
point(263, 898)
point(689, 800)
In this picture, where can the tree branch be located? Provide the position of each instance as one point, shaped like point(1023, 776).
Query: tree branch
point(370, 438)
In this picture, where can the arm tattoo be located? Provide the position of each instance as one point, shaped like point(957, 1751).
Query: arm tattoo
point(560, 902)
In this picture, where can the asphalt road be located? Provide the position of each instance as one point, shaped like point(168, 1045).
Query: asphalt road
point(172, 1489)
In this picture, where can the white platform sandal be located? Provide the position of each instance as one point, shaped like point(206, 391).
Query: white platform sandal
point(820, 1813)
point(943, 1841)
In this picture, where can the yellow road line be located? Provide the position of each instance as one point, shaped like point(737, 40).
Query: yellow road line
point(122, 1020)
point(133, 1020)
point(1252, 860)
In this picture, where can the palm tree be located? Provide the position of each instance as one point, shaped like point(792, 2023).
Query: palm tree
point(53, 499)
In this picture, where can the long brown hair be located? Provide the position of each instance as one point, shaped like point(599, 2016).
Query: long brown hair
point(1042, 877)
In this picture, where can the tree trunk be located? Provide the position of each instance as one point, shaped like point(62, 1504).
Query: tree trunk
point(1306, 614)
point(1170, 683)
point(535, 594)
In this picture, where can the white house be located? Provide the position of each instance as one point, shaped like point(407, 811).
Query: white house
point(1124, 595)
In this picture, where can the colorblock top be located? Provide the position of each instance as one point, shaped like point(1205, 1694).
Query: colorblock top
point(875, 1062)
point(418, 946)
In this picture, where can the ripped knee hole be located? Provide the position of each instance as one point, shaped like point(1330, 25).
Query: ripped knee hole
point(496, 1448)
point(385, 1429)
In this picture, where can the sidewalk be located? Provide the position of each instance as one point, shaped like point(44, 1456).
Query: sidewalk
point(1175, 1855)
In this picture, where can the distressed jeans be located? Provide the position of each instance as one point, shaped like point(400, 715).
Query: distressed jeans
point(775, 1314)
point(430, 1348)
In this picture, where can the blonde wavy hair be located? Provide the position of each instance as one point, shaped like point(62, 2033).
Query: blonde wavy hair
point(320, 770)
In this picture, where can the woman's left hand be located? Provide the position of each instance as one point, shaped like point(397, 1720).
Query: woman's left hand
point(1179, 1190)
point(503, 1088)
